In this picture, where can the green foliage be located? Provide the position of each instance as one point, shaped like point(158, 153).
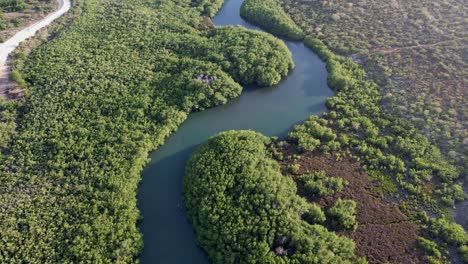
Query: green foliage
point(106, 91)
point(386, 183)
point(342, 215)
point(320, 185)
point(245, 211)
point(16, 22)
point(311, 134)
point(7, 123)
point(207, 7)
point(268, 14)
point(17, 78)
point(293, 168)
point(3, 24)
point(463, 250)
point(357, 124)
point(314, 215)
point(12, 5)
point(451, 194)
point(246, 63)
point(430, 247)
point(450, 232)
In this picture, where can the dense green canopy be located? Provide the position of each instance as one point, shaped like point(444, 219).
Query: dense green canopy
point(245, 211)
point(3, 22)
point(107, 90)
point(12, 5)
point(269, 15)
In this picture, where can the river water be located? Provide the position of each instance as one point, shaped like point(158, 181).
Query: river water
point(168, 236)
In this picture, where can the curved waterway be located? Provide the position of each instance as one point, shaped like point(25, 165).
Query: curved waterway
point(168, 236)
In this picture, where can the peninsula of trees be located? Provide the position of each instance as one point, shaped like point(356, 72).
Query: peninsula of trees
point(245, 211)
point(107, 90)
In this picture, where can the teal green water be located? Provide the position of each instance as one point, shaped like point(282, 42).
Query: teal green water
point(168, 236)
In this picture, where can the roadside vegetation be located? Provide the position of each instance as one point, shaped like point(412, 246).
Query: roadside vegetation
point(8, 113)
point(15, 14)
point(101, 95)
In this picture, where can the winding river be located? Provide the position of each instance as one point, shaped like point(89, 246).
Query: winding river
point(168, 236)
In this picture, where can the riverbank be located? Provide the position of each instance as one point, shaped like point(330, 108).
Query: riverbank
point(272, 111)
point(100, 97)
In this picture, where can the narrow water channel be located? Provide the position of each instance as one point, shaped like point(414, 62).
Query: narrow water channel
point(168, 236)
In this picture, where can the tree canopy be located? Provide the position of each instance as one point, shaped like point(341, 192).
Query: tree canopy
point(245, 211)
point(269, 15)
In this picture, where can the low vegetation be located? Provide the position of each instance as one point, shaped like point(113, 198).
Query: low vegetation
point(107, 90)
point(3, 21)
point(12, 5)
point(8, 114)
point(207, 7)
point(431, 248)
point(245, 211)
point(356, 124)
point(342, 215)
point(319, 185)
point(384, 233)
point(449, 232)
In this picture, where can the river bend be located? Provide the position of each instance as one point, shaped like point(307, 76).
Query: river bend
point(168, 236)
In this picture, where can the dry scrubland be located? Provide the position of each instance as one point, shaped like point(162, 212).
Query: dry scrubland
point(415, 50)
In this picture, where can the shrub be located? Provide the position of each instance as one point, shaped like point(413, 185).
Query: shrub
point(319, 185)
point(449, 232)
point(17, 78)
point(463, 250)
point(430, 247)
point(314, 215)
point(342, 215)
point(2, 22)
point(293, 168)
